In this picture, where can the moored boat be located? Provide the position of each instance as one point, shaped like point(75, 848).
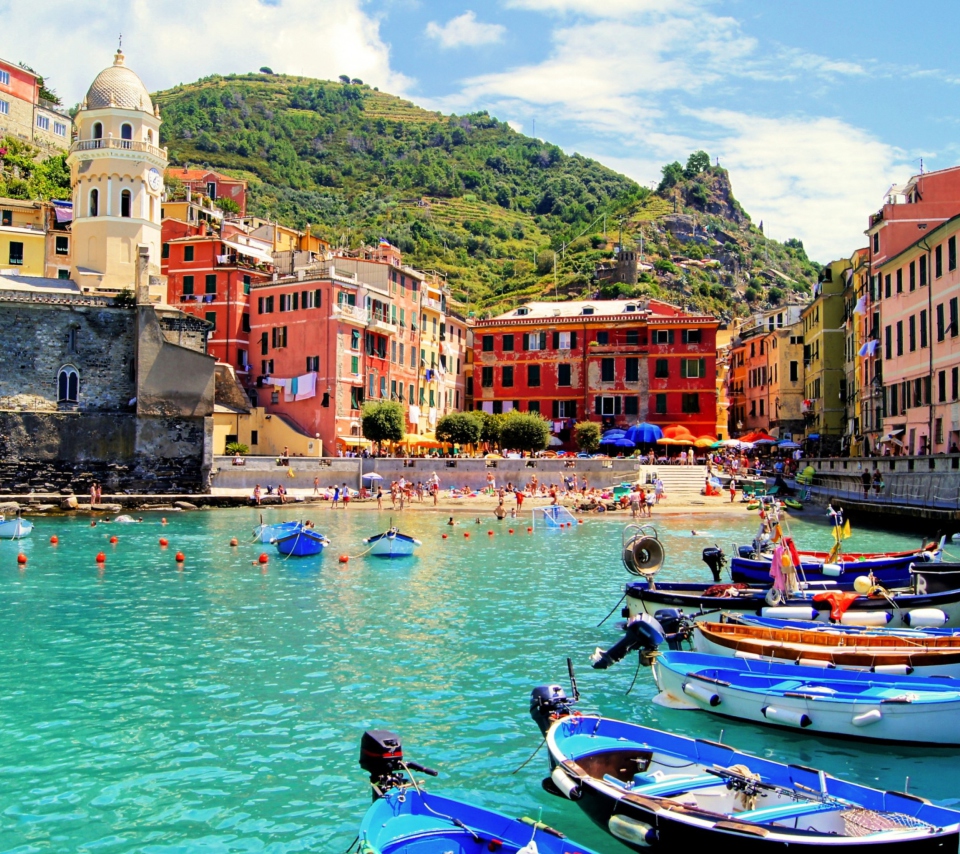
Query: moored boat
point(880, 652)
point(302, 541)
point(391, 543)
point(268, 533)
point(652, 789)
point(404, 818)
point(16, 528)
point(846, 703)
point(811, 625)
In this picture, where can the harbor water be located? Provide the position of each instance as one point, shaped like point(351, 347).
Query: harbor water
point(217, 705)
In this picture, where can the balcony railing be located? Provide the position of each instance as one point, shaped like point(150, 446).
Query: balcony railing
point(430, 302)
point(118, 144)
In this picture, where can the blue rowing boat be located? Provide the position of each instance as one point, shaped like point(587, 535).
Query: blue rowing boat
point(405, 819)
point(391, 543)
point(655, 790)
point(301, 541)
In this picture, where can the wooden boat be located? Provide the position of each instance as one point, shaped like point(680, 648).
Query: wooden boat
point(301, 542)
point(655, 790)
point(813, 626)
point(16, 528)
point(405, 819)
point(936, 578)
point(846, 703)
point(391, 543)
point(268, 533)
point(897, 608)
point(877, 653)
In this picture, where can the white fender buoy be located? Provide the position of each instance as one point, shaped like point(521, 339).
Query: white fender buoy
point(866, 618)
point(786, 716)
point(866, 718)
point(562, 781)
point(892, 669)
point(925, 618)
point(796, 612)
point(833, 570)
point(631, 831)
point(751, 655)
point(702, 693)
point(815, 662)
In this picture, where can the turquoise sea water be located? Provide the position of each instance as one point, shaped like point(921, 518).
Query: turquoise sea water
point(218, 707)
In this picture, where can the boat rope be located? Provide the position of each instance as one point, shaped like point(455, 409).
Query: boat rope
point(614, 608)
point(356, 839)
point(423, 799)
point(529, 758)
point(636, 673)
point(361, 553)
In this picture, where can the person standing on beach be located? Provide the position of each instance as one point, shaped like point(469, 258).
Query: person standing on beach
point(256, 493)
point(733, 489)
point(657, 490)
point(336, 498)
point(316, 486)
point(93, 494)
point(345, 493)
point(379, 498)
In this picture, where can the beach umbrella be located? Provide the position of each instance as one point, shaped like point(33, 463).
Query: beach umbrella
point(623, 443)
point(372, 475)
point(611, 436)
point(678, 431)
point(666, 440)
point(644, 434)
point(764, 441)
point(792, 446)
point(554, 441)
point(705, 442)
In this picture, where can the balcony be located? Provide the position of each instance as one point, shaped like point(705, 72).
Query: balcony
point(118, 145)
point(350, 314)
point(430, 302)
point(381, 323)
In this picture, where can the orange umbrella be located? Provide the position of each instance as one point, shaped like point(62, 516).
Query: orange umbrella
point(705, 442)
point(678, 432)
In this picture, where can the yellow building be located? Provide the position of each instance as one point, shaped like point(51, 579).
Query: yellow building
point(116, 170)
point(724, 337)
point(432, 379)
point(23, 235)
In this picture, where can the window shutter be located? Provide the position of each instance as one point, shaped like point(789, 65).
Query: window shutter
point(597, 405)
point(543, 340)
point(616, 404)
point(573, 340)
point(526, 340)
point(572, 407)
point(683, 369)
point(556, 340)
point(669, 336)
point(703, 367)
point(556, 404)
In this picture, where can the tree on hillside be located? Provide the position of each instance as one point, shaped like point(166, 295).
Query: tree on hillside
point(697, 162)
point(672, 174)
point(587, 434)
point(344, 78)
point(459, 428)
point(525, 431)
point(382, 422)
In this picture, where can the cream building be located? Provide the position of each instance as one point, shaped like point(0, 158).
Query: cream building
point(116, 169)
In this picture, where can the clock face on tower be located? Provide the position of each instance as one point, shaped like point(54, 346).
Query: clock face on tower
point(154, 179)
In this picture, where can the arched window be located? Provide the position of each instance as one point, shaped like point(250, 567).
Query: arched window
point(97, 132)
point(68, 385)
point(94, 202)
point(150, 137)
point(125, 202)
point(126, 134)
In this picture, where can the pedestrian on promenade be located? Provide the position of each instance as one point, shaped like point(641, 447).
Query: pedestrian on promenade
point(866, 479)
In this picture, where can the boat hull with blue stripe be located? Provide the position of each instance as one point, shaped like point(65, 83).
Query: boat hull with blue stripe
point(301, 542)
point(851, 704)
point(268, 533)
point(392, 543)
point(655, 790)
point(892, 570)
point(15, 529)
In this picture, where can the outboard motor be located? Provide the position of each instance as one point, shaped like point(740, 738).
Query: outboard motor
point(381, 756)
point(549, 703)
point(643, 632)
point(714, 558)
point(675, 626)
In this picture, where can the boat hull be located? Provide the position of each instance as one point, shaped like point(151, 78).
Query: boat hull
point(303, 542)
point(395, 545)
point(890, 571)
point(863, 610)
point(269, 533)
point(15, 529)
point(835, 703)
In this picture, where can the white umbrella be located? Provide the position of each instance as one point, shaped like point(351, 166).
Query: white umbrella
point(372, 475)
point(554, 441)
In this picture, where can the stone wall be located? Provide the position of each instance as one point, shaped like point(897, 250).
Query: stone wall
point(52, 451)
point(41, 338)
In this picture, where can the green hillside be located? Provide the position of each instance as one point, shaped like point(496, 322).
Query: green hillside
point(502, 216)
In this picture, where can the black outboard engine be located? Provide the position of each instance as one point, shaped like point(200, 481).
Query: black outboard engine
point(642, 632)
point(549, 703)
point(381, 756)
point(675, 626)
point(714, 558)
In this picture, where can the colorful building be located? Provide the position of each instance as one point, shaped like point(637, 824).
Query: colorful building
point(27, 116)
point(613, 361)
point(784, 347)
point(209, 184)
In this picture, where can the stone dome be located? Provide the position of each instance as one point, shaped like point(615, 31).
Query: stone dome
point(118, 86)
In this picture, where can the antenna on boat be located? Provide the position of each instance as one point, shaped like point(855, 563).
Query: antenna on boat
point(573, 681)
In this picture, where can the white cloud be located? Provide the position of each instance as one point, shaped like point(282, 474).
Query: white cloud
point(607, 9)
point(165, 46)
point(466, 30)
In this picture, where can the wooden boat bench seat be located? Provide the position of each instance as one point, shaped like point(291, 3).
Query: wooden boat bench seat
point(779, 812)
point(674, 785)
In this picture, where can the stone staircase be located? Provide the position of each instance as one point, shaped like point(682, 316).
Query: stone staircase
point(681, 481)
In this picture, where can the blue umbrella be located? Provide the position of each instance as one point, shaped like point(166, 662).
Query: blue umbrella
point(611, 436)
point(623, 443)
point(644, 434)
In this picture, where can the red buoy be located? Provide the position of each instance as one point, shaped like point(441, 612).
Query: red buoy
point(179, 558)
point(579, 521)
point(101, 558)
point(344, 558)
point(54, 540)
point(21, 558)
point(444, 536)
point(466, 536)
point(113, 541)
point(489, 533)
point(163, 542)
point(263, 558)
point(529, 530)
point(511, 530)
point(234, 542)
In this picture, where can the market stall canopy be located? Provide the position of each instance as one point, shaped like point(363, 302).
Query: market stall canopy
point(354, 441)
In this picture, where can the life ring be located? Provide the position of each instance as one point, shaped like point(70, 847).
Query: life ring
point(643, 555)
point(773, 597)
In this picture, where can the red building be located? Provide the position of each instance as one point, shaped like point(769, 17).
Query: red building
point(210, 275)
point(615, 361)
point(212, 184)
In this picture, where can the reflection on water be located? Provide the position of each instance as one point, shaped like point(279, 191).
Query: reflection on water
point(218, 705)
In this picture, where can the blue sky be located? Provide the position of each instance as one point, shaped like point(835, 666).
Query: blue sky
point(815, 107)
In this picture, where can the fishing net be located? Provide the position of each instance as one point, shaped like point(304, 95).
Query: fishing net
point(863, 822)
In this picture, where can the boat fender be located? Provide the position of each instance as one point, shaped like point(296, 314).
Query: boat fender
point(786, 716)
point(815, 662)
point(833, 570)
point(892, 669)
point(699, 692)
point(750, 655)
point(631, 831)
point(866, 718)
point(568, 788)
point(928, 618)
point(797, 612)
point(773, 597)
point(866, 618)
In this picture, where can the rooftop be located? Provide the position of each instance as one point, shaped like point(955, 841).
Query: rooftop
point(118, 86)
point(596, 308)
